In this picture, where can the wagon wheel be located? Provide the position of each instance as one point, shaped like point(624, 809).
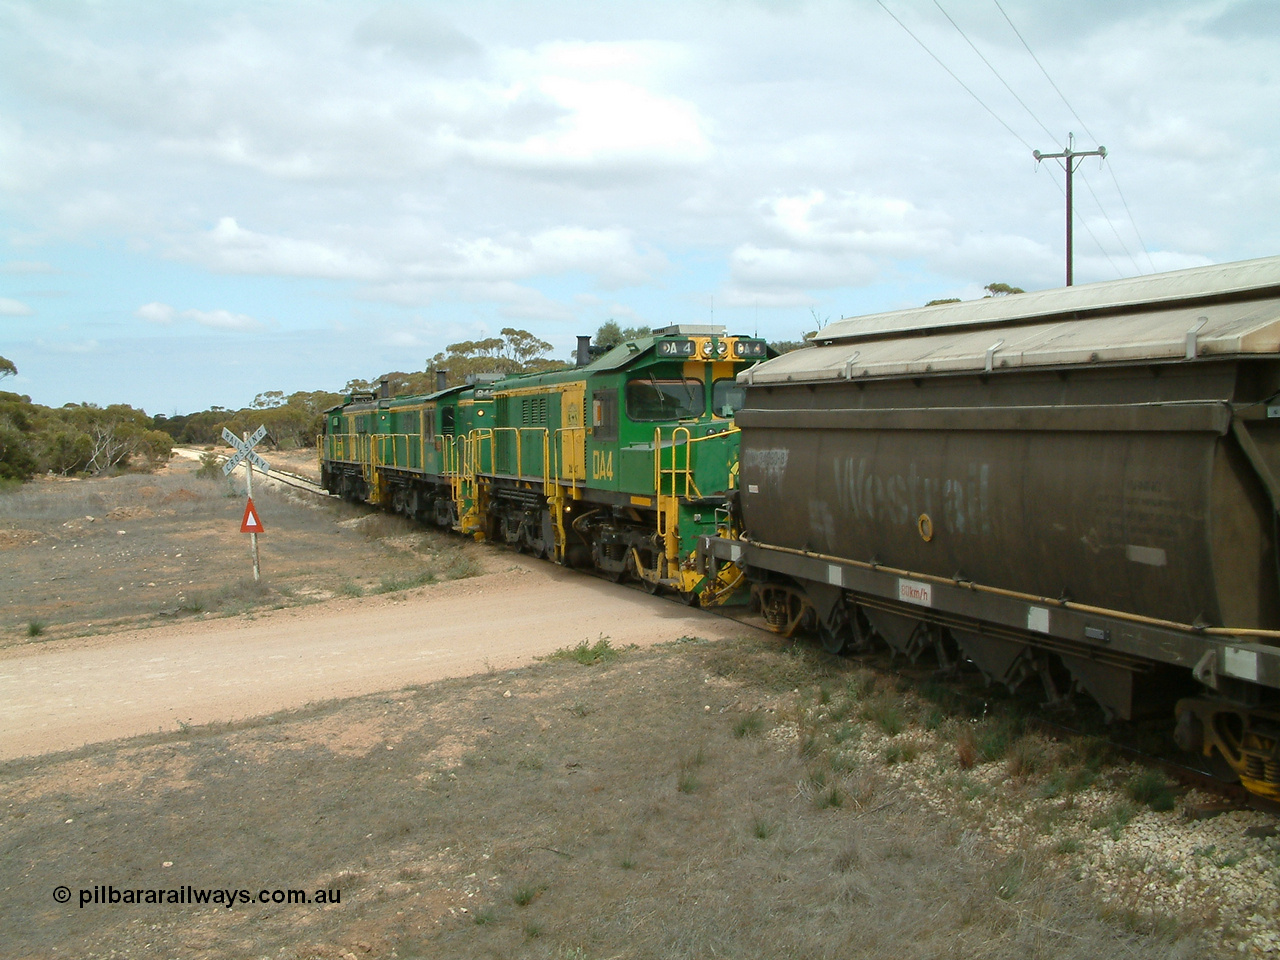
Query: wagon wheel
point(833, 640)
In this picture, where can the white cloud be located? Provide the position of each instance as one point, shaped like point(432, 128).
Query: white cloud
point(605, 124)
point(162, 313)
point(14, 308)
point(413, 32)
point(155, 312)
point(68, 346)
point(850, 221)
point(221, 319)
point(773, 267)
point(27, 267)
point(735, 295)
point(230, 248)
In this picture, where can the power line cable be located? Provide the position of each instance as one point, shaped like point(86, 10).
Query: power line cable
point(1110, 224)
point(1137, 233)
point(953, 76)
point(975, 49)
point(1083, 125)
point(995, 115)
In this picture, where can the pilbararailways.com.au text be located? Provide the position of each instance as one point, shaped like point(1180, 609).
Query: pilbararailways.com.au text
point(110, 895)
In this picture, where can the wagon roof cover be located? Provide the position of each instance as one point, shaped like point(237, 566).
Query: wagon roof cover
point(1221, 310)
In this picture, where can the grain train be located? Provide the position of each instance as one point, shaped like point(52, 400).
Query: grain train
point(1076, 488)
point(619, 463)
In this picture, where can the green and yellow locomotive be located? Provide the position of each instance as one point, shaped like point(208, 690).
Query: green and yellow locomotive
point(619, 463)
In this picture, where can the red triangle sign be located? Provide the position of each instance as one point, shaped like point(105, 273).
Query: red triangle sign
point(251, 523)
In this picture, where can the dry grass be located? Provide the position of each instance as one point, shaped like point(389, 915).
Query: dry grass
point(102, 554)
point(462, 823)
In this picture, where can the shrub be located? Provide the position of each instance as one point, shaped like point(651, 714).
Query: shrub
point(587, 654)
point(1150, 787)
point(210, 466)
point(748, 726)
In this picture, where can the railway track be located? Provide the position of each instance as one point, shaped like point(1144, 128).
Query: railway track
point(279, 476)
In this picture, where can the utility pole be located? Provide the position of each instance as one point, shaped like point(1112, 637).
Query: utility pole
point(1069, 155)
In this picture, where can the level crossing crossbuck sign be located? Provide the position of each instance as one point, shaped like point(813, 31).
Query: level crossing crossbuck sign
point(244, 451)
point(252, 523)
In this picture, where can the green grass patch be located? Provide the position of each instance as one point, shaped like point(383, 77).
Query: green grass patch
point(1028, 757)
point(846, 732)
point(901, 753)
point(885, 714)
point(749, 726)
point(525, 894)
point(830, 799)
point(35, 628)
point(1115, 818)
point(396, 583)
point(1068, 845)
point(589, 654)
point(1152, 788)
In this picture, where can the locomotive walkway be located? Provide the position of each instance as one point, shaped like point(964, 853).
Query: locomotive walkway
point(89, 691)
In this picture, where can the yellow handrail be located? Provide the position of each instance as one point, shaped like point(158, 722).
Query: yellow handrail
point(518, 432)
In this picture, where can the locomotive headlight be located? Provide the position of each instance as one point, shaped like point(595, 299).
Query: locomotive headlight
point(706, 348)
point(722, 349)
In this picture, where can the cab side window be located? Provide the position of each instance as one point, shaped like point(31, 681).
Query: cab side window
point(604, 415)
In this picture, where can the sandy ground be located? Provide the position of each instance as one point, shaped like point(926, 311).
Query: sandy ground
point(75, 692)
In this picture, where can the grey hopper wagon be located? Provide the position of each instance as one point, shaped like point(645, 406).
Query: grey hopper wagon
point(1076, 487)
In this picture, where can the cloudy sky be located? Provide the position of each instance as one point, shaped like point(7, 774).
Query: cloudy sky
point(200, 201)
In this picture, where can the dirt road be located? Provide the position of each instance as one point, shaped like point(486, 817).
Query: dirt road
point(64, 695)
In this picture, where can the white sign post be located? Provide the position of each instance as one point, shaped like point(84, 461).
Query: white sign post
point(245, 454)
